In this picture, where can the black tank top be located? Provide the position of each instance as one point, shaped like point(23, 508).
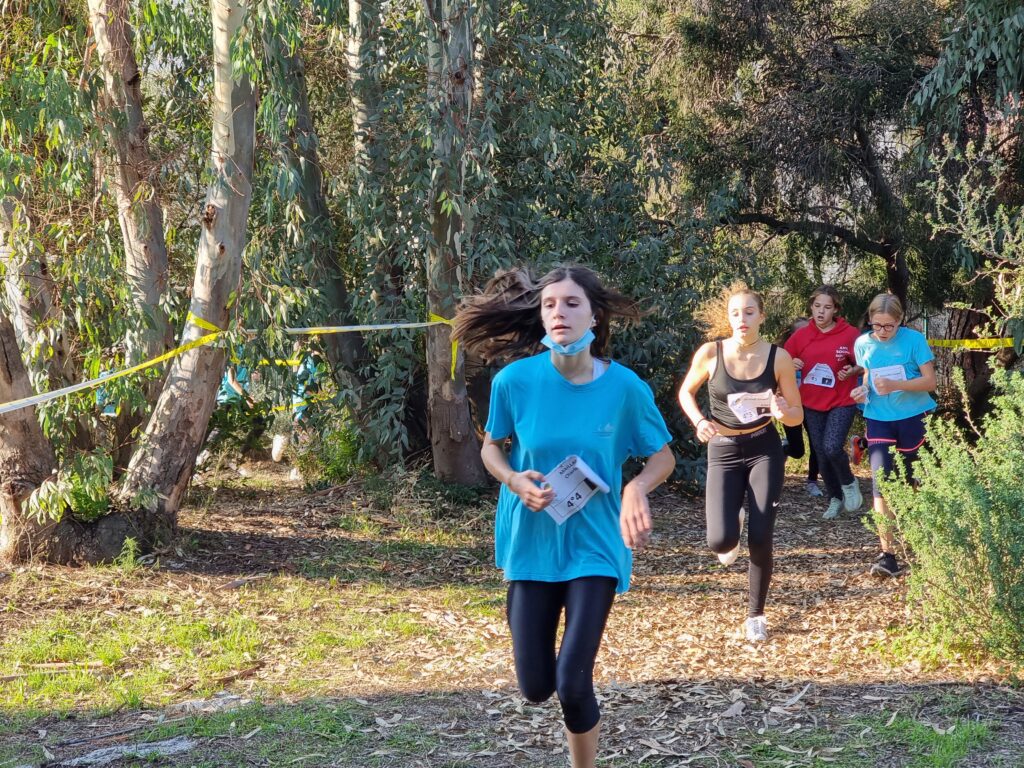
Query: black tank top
point(721, 385)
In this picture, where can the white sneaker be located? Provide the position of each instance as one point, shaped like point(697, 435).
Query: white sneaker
point(833, 509)
point(757, 629)
point(814, 490)
point(852, 499)
point(728, 558)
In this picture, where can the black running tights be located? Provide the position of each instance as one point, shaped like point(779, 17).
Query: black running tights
point(750, 467)
point(534, 610)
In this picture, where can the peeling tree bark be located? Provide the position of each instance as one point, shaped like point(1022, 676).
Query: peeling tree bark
point(453, 438)
point(165, 458)
point(139, 214)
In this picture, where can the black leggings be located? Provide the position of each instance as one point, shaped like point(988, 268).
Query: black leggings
point(751, 466)
point(828, 431)
point(534, 609)
point(795, 450)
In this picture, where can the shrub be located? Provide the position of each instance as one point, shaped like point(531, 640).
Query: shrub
point(965, 526)
point(327, 452)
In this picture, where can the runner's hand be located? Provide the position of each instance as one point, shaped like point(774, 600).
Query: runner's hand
point(845, 372)
point(885, 386)
point(635, 518)
point(859, 394)
point(798, 363)
point(779, 406)
point(525, 486)
point(706, 429)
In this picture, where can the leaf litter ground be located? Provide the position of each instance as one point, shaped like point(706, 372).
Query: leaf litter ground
point(347, 627)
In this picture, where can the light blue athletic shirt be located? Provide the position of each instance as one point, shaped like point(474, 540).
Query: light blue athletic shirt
point(548, 418)
point(907, 348)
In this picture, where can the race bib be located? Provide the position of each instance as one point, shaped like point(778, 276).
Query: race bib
point(574, 484)
point(750, 406)
point(820, 376)
point(891, 372)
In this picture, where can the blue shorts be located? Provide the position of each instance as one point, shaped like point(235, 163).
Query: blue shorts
point(905, 435)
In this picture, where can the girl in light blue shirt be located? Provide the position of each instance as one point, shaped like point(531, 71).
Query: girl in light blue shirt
point(568, 406)
point(899, 374)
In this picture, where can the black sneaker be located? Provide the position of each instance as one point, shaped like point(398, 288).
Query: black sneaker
point(885, 566)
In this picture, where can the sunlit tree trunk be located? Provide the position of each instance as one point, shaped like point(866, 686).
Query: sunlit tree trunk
point(450, 49)
point(139, 214)
point(165, 458)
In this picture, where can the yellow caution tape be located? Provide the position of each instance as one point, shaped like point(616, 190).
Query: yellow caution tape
point(206, 325)
point(215, 332)
point(46, 397)
point(455, 342)
point(971, 343)
point(308, 401)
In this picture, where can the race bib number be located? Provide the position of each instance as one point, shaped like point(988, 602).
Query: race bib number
point(820, 376)
point(750, 406)
point(574, 484)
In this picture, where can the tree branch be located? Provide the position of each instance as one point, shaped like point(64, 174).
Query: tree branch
point(811, 227)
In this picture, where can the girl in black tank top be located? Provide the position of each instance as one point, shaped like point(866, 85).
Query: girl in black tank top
point(722, 384)
point(745, 459)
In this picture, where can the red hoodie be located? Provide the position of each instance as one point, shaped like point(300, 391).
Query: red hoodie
point(824, 355)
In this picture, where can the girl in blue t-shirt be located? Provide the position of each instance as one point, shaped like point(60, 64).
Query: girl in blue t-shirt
point(899, 374)
point(567, 407)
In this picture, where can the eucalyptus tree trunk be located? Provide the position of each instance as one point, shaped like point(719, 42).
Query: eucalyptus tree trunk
point(371, 162)
point(300, 152)
point(164, 461)
point(450, 42)
point(139, 214)
point(26, 456)
point(27, 462)
point(30, 300)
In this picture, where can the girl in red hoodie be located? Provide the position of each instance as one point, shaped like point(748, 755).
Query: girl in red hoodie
point(823, 352)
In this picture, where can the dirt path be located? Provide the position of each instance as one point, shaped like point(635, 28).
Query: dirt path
point(678, 683)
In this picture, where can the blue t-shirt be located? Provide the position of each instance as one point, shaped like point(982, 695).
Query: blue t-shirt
point(908, 350)
point(604, 422)
point(226, 393)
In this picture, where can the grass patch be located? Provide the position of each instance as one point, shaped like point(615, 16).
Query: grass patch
point(140, 653)
point(166, 643)
point(932, 749)
point(866, 742)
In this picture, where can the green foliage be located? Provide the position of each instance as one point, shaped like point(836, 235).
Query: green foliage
point(968, 191)
point(963, 523)
point(81, 488)
point(327, 451)
point(128, 561)
point(982, 58)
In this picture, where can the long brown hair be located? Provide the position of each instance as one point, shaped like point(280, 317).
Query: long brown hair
point(504, 320)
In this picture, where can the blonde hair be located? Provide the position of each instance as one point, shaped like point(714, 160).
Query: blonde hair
point(885, 303)
point(713, 314)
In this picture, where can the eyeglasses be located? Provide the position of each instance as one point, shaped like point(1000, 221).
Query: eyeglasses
point(887, 327)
